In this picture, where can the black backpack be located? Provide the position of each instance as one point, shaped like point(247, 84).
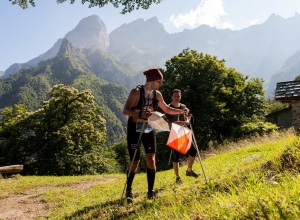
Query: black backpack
point(141, 102)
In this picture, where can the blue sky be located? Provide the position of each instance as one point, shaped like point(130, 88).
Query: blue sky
point(25, 34)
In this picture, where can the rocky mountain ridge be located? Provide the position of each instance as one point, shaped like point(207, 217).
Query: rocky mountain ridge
point(287, 72)
point(256, 51)
point(91, 32)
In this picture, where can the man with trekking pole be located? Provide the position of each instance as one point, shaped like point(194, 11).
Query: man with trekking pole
point(182, 120)
point(140, 104)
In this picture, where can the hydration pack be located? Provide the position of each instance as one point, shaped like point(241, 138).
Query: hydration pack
point(141, 102)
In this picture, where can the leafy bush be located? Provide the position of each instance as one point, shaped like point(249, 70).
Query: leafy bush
point(122, 156)
point(253, 128)
point(275, 106)
point(290, 159)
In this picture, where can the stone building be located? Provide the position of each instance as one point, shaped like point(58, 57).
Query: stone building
point(282, 118)
point(289, 92)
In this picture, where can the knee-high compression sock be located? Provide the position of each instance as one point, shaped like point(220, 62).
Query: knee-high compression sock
point(130, 180)
point(150, 179)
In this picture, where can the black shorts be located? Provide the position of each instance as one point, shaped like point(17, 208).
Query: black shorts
point(147, 139)
point(191, 152)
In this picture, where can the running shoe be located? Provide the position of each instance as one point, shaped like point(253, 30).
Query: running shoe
point(192, 173)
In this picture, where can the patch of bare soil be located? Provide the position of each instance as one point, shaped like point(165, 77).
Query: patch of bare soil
point(29, 205)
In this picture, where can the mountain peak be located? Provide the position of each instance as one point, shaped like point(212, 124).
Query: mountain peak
point(89, 33)
point(274, 18)
point(153, 20)
point(65, 48)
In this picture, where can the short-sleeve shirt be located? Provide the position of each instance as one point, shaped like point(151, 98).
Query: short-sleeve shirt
point(173, 118)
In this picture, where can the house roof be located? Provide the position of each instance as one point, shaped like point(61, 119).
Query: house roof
point(287, 91)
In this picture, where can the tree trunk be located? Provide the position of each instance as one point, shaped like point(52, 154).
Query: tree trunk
point(10, 169)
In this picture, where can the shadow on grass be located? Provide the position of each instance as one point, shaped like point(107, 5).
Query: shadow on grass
point(116, 209)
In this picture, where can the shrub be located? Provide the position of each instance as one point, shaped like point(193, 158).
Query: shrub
point(253, 128)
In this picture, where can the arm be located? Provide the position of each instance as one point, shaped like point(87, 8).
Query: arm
point(167, 109)
point(132, 101)
point(185, 120)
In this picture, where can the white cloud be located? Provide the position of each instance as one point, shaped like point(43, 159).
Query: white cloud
point(207, 12)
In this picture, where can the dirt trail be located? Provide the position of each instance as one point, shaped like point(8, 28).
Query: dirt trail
point(29, 205)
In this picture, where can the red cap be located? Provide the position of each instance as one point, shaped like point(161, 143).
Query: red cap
point(153, 74)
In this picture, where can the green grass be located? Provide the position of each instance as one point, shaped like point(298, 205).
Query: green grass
point(254, 179)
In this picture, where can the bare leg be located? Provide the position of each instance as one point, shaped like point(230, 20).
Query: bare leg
point(134, 166)
point(190, 163)
point(150, 160)
point(176, 168)
point(190, 171)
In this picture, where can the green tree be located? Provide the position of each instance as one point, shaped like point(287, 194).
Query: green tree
point(10, 113)
point(297, 78)
point(65, 137)
point(128, 6)
point(274, 106)
point(219, 98)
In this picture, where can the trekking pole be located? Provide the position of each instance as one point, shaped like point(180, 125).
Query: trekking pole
point(170, 157)
point(196, 146)
point(136, 146)
point(171, 150)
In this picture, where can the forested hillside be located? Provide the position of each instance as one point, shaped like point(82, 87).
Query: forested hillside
point(74, 68)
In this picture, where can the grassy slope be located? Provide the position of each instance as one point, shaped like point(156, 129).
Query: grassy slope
point(254, 179)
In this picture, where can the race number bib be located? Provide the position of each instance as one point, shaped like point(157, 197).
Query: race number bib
point(140, 128)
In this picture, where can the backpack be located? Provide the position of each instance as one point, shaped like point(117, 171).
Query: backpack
point(141, 102)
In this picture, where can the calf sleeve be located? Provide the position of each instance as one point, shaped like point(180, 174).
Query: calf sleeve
point(150, 179)
point(130, 180)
